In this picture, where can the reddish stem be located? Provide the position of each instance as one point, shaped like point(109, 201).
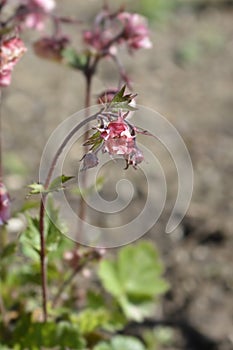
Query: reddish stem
point(43, 259)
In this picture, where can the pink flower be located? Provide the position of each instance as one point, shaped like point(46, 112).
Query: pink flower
point(99, 40)
point(117, 129)
point(33, 12)
point(4, 204)
point(136, 32)
point(120, 139)
point(11, 51)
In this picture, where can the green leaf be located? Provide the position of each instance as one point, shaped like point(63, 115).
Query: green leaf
point(89, 320)
point(121, 343)
point(57, 184)
point(94, 140)
point(53, 227)
point(122, 101)
point(8, 251)
point(134, 279)
point(30, 239)
point(140, 270)
point(108, 274)
point(61, 334)
point(36, 188)
point(73, 59)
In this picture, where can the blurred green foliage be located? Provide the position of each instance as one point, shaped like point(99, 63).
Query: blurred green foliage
point(129, 285)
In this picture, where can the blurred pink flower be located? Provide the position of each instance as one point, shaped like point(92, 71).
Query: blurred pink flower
point(33, 12)
point(99, 40)
point(4, 204)
point(135, 30)
point(11, 51)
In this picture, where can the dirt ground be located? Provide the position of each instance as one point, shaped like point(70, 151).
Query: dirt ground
point(187, 77)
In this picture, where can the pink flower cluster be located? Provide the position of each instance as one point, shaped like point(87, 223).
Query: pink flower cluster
point(4, 204)
point(121, 28)
point(33, 12)
point(11, 51)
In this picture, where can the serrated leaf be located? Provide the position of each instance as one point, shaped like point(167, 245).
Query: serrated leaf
point(134, 279)
point(73, 59)
point(122, 101)
point(119, 96)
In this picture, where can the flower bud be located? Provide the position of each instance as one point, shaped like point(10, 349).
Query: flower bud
point(90, 160)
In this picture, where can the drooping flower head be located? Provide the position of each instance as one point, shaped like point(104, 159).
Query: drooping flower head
point(119, 138)
point(115, 135)
point(11, 51)
point(4, 204)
